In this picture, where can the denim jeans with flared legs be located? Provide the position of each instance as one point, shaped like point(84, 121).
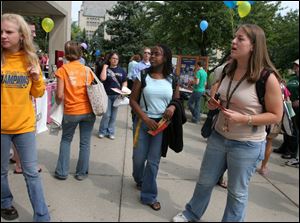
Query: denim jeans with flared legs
point(240, 159)
point(26, 147)
point(70, 122)
point(108, 122)
point(146, 159)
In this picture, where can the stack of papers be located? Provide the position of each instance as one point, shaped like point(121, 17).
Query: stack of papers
point(162, 125)
point(124, 91)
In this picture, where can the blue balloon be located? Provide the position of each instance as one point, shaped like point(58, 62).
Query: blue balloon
point(97, 53)
point(230, 4)
point(251, 2)
point(203, 25)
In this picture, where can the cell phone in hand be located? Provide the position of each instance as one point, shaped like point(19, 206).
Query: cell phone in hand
point(214, 101)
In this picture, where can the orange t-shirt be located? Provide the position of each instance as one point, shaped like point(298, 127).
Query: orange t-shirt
point(76, 101)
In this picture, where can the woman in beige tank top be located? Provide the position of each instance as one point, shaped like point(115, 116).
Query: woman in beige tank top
point(238, 142)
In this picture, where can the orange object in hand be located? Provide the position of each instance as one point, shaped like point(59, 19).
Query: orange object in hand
point(162, 125)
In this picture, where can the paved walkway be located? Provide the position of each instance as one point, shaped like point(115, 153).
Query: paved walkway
point(109, 193)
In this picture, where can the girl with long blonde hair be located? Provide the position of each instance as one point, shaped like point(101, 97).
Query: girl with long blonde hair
point(21, 78)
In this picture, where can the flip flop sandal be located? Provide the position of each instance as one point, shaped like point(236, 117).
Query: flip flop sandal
point(155, 206)
point(20, 171)
point(222, 184)
point(264, 172)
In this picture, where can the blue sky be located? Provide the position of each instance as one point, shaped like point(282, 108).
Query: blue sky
point(75, 8)
point(289, 4)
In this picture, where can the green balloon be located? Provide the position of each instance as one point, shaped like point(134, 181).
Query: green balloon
point(47, 24)
point(244, 8)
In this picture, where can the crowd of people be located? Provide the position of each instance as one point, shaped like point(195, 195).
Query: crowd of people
point(237, 143)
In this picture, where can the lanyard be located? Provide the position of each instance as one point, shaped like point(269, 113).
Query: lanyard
point(229, 96)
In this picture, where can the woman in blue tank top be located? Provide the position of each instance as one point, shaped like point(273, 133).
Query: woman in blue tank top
point(150, 104)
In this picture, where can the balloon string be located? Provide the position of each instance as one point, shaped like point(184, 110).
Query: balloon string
point(46, 42)
point(231, 15)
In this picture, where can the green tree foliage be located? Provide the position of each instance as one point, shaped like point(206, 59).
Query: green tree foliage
point(76, 33)
point(40, 33)
point(285, 40)
point(98, 42)
point(134, 24)
point(126, 34)
point(177, 25)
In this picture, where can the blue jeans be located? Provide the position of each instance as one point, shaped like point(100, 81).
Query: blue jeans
point(145, 173)
point(108, 121)
point(70, 122)
point(194, 105)
point(26, 146)
point(240, 159)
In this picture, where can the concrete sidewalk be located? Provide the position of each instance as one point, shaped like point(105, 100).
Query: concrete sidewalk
point(109, 193)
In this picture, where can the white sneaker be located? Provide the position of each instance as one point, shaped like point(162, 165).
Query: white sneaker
point(180, 218)
point(101, 136)
point(112, 137)
point(294, 162)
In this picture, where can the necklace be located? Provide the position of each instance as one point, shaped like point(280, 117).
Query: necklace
point(228, 98)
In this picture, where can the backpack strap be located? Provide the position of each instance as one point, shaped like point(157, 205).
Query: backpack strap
point(144, 74)
point(174, 82)
point(224, 72)
point(260, 86)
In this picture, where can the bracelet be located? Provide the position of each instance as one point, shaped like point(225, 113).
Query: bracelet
point(249, 120)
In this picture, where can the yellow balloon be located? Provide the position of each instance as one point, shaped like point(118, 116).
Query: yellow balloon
point(244, 8)
point(47, 24)
point(239, 3)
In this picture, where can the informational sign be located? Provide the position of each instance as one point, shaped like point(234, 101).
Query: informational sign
point(184, 66)
point(187, 68)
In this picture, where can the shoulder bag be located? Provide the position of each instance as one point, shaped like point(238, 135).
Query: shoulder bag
point(96, 94)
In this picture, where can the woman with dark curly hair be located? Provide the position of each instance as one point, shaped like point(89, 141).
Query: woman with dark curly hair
point(153, 106)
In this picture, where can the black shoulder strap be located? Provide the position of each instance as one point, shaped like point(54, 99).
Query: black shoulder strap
point(144, 74)
point(261, 86)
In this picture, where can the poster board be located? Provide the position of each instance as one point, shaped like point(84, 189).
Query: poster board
point(185, 67)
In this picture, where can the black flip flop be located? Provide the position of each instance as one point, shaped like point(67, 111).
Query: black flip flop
point(222, 184)
point(155, 206)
